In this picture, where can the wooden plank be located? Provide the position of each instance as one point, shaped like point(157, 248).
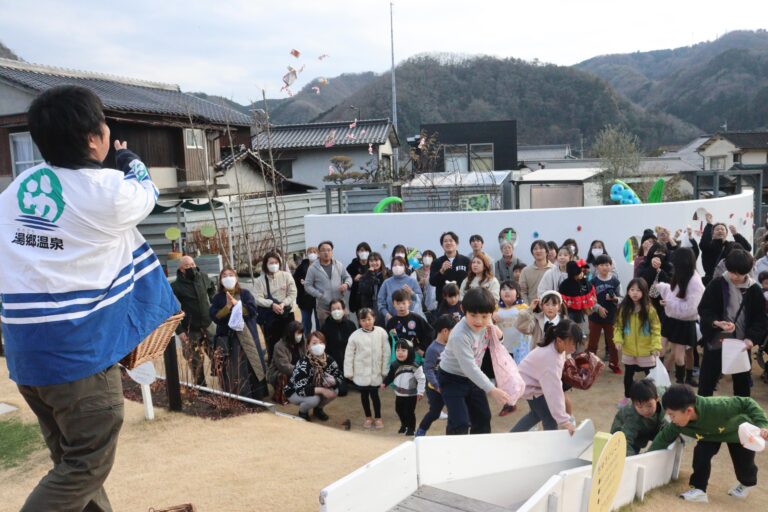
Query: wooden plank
point(459, 502)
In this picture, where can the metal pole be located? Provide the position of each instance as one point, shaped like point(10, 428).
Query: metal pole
point(172, 376)
point(395, 151)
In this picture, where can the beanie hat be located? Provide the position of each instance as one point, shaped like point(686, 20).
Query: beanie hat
point(647, 234)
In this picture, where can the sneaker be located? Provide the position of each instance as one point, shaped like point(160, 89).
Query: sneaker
point(740, 490)
point(443, 416)
point(401, 430)
point(420, 433)
point(379, 423)
point(507, 409)
point(368, 423)
point(615, 369)
point(624, 401)
point(695, 495)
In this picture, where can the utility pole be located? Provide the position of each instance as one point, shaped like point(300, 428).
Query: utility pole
point(395, 151)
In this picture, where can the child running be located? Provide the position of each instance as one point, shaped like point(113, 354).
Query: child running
point(712, 421)
point(409, 384)
point(542, 372)
point(443, 327)
point(366, 363)
point(637, 333)
point(463, 384)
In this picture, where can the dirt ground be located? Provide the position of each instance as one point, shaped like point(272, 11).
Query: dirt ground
point(264, 462)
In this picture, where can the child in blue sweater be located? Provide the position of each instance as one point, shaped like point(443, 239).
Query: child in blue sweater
point(443, 327)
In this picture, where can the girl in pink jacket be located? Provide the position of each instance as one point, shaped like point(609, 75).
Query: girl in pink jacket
point(542, 371)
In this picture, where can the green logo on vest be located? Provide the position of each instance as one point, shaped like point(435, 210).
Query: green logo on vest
point(40, 195)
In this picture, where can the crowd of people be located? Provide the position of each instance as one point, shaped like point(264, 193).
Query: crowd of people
point(422, 326)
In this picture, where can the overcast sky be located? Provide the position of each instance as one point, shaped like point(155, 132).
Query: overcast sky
point(236, 48)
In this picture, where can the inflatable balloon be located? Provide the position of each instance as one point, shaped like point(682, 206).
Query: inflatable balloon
point(384, 203)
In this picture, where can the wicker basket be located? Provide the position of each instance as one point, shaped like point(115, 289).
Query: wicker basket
point(153, 345)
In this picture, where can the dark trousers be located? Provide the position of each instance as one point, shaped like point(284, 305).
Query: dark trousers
point(629, 376)
point(743, 463)
point(405, 407)
point(80, 422)
point(709, 375)
point(275, 332)
point(436, 405)
point(306, 320)
point(594, 339)
point(468, 411)
point(539, 412)
point(370, 394)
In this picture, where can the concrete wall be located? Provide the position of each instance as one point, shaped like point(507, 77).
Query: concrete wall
point(13, 100)
point(754, 157)
point(311, 166)
point(612, 224)
point(251, 181)
point(719, 148)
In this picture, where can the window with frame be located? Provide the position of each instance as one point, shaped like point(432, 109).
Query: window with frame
point(481, 157)
point(456, 158)
point(717, 163)
point(193, 139)
point(737, 158)
point(24, 152)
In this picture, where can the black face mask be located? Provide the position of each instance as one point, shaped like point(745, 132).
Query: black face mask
point(189, 273)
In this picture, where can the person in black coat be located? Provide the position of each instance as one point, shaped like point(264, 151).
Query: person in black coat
point(356, 269)
point(451, 266)
point(305, 301)
point(337, 329)
point(369, 284)
point(714, 245)
point(732, 306)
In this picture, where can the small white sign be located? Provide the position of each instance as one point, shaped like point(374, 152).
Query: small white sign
point(144, 373)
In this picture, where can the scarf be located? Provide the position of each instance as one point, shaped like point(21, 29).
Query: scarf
point(318, 364)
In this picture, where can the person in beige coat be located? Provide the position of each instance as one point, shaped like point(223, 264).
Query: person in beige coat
point(531, 275)
point(366, 363)
point(275, 289)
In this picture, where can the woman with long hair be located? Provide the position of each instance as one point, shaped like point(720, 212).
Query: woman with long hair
point(480, 275)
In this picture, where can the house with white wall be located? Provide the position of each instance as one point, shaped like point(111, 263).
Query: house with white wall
point(722, 151)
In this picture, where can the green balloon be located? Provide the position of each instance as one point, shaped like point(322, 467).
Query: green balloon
point(208, 231)
point(172, 233)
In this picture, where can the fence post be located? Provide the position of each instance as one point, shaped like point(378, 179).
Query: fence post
point(172, 376)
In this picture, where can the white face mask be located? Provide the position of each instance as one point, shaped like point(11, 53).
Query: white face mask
point(337, 314)
point(298, 337)
point(402, 255)
point(317, 350)
point(597, 252)
point(398, 270)
point(273, 267)
point(229, 282)
point(426, 260)
point(312, 257)
point(363, 255)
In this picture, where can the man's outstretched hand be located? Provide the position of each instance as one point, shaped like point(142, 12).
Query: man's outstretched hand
point(120, 145)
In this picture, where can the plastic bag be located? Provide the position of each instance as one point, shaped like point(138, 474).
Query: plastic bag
point(236, 322)
point(750, 438)
point(581, 370)
point(505, 369)
point(660, 375)
point(735, 357)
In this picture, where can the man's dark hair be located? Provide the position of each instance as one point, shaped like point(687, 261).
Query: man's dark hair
point(539, 243)
point(478, 300)
point(401, 296)
point(444, 322)
point(451, 290)
point(643, 390)
point(476, 238)
point(325, 242)
point(518, 266)
point(739, 262)
point(450, 234)
point(60, 121)
point(603, 259)
point(678, 397)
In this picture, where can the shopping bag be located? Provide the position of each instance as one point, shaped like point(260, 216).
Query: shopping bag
point(735, 357)
point(505, 369)
point(236, 322)
point(750, 438)
point(660, 375)
point(581, 370)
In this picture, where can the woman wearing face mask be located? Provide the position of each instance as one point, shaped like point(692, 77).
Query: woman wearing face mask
point(337, 329)
point(305, 301)
point(429, 291)
point(356, 269)
point(370, 283)
point(401, 251)
point(287, 353)
point(714, 246)
point(315, 380)
point(596, 248)
point(399, 280)
point(275, 294)
point(239, 362)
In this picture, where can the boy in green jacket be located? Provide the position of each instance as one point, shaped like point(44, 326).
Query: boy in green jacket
point(642, 419)
point(711, 421)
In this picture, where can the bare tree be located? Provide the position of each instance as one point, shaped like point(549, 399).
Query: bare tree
point(619, 156)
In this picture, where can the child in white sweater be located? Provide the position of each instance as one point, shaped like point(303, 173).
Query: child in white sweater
point(409, 382)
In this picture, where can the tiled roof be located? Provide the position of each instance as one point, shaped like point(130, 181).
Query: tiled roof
point(123, 94)
point(317, 135)
point(742, 140)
